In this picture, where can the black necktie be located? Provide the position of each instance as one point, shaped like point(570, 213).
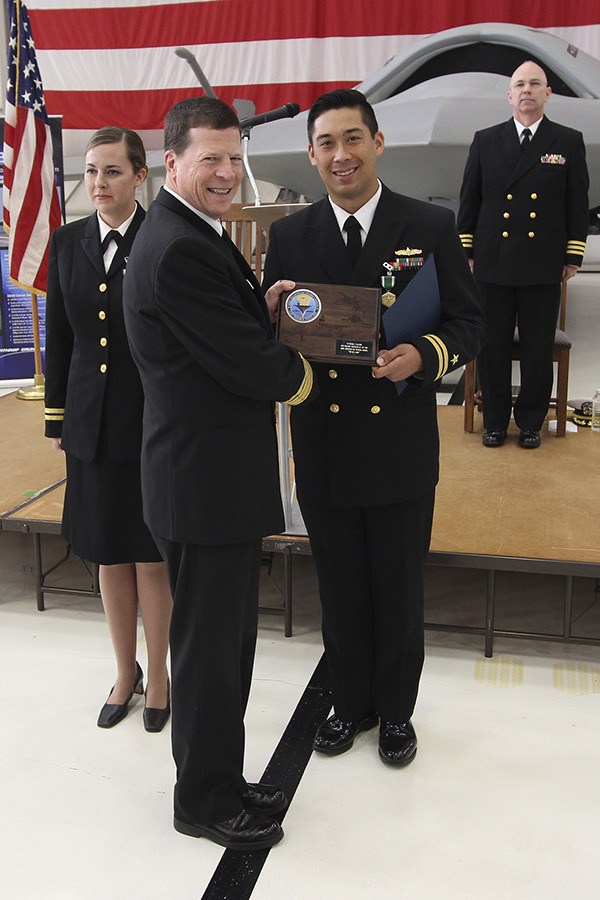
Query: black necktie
point(525, 138)
point(354, 245)
point(111, 236)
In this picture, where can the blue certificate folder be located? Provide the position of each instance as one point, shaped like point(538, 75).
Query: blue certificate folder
point(417, 311)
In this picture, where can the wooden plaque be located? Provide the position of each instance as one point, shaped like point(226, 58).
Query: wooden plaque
point(335, 323)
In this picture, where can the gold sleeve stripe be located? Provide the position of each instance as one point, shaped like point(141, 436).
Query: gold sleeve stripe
point(306, 386)
point(577, 247)
point(466, 240)
point(442, 352)
point(54, 418)
point(49, 410)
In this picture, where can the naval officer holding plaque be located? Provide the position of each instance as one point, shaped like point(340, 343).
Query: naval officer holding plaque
point(366, 454)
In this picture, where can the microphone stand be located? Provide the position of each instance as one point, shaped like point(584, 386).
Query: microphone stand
point(251, 178)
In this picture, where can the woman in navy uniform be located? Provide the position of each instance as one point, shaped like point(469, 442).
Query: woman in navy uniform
point(94, 404)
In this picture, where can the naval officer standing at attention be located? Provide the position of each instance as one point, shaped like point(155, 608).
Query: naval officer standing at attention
point(523, 221)
point(366, 456)
point(94, 405)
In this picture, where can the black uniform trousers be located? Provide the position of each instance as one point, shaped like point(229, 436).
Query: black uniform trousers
point(213, 639)
point(535, 309)
point(369, 561)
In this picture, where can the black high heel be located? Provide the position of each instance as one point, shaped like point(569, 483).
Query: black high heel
point(156, 719)
point(112, 713)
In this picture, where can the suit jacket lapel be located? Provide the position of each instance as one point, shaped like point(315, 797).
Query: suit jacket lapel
point(510, 149)
point(124, 248)
point(241, 263)
point(249, 276)
point(386, 229)
point(164, 198)
point(327, 244)
point(90, 243)
point(540, 142)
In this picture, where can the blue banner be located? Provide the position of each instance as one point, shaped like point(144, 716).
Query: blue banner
point(17, 359)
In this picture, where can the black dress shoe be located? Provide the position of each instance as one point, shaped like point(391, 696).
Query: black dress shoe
point(264, 798)
point(335, 736)
point(397, 743)
point(246, 831)
point(494, 438)
point(112, 713)
point(156, 719)
point(529, 439)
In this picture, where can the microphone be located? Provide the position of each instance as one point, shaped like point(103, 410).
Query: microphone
point(283, 112)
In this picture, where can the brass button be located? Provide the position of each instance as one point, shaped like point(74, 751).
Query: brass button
point(506, 215)
point(103, 368)
point(531, 234)
point(509, 196)
point(532, 215)
point(102, 287)
point(534, 196)
point(505, 234)
point(332, 373)
point(103, 342)
point(334, 408)
point(375, 410)
point(101, 314)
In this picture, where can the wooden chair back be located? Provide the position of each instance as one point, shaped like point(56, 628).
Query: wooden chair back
point(247, 235)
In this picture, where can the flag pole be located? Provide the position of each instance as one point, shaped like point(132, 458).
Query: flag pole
point(36, 391)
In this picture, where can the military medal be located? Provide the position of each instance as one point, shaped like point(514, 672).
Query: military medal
point(389, 298)
point(406, 259)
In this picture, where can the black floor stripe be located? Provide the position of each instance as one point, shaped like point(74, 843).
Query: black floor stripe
point(458, 394)
point(237, 873)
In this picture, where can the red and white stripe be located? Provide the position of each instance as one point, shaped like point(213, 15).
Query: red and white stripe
point(31, 207)
point(112, 61)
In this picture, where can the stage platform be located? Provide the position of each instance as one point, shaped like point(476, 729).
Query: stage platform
point(504, 509)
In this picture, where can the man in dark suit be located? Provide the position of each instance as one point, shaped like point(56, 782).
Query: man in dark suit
point(366, 457)
point(523, 221)
point(201, 335)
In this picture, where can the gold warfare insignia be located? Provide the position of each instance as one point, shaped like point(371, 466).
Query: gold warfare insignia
point(408, 258)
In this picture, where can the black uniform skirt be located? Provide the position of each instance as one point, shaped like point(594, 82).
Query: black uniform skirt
point(102, 515)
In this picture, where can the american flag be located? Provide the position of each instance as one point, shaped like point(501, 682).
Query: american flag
point(112, 61)
point(30, 197)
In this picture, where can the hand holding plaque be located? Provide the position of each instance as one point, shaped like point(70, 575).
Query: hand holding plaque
point(333, 323)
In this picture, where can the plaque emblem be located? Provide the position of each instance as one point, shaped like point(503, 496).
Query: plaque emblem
point(303, 305)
